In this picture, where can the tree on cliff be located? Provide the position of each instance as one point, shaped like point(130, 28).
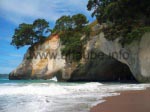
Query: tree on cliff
point(79, 21)
point(68, 23)
point(41, 27)
point(71, 29)
point(63, 23)
point(28, 34)
point(123, 17)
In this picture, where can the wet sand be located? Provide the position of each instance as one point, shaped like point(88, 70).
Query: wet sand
point(129, 101)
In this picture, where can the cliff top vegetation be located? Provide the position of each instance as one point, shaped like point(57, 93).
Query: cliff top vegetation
point(127, 19)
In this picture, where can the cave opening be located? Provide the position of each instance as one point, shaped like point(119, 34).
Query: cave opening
point(122, 73)
point(106, 70)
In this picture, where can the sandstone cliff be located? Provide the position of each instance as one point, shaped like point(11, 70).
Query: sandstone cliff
point(136, 55)
point(131, 60)
point(41, 61)
point(44, 61)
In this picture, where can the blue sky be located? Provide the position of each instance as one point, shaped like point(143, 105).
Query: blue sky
point(14, 12)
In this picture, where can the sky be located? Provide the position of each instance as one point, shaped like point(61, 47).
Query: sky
point(15, 12)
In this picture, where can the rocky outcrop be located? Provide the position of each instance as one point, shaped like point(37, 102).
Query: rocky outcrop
point(104, 70)
point(97, 66)
point(136, 55)
point(41, 61)
point(44, 61)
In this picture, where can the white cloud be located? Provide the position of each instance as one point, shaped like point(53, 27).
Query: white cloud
point(18, 11)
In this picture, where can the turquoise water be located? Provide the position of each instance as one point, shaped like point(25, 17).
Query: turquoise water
point(51, 96)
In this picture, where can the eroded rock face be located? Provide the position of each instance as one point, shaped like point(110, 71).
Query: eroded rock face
point(136, 55)
point(97, 66)
point(41, 61)
point(104, 70)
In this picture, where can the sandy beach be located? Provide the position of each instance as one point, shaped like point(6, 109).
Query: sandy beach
point(129, 101)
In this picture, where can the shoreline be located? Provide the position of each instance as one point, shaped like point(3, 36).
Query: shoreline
point(127, 101)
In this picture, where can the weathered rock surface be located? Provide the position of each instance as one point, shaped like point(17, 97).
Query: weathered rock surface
point(97, 66)
point(102, 70)
point(136, 55)
point(41, 61)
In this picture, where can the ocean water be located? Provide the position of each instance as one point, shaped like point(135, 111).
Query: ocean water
point(51, 96)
